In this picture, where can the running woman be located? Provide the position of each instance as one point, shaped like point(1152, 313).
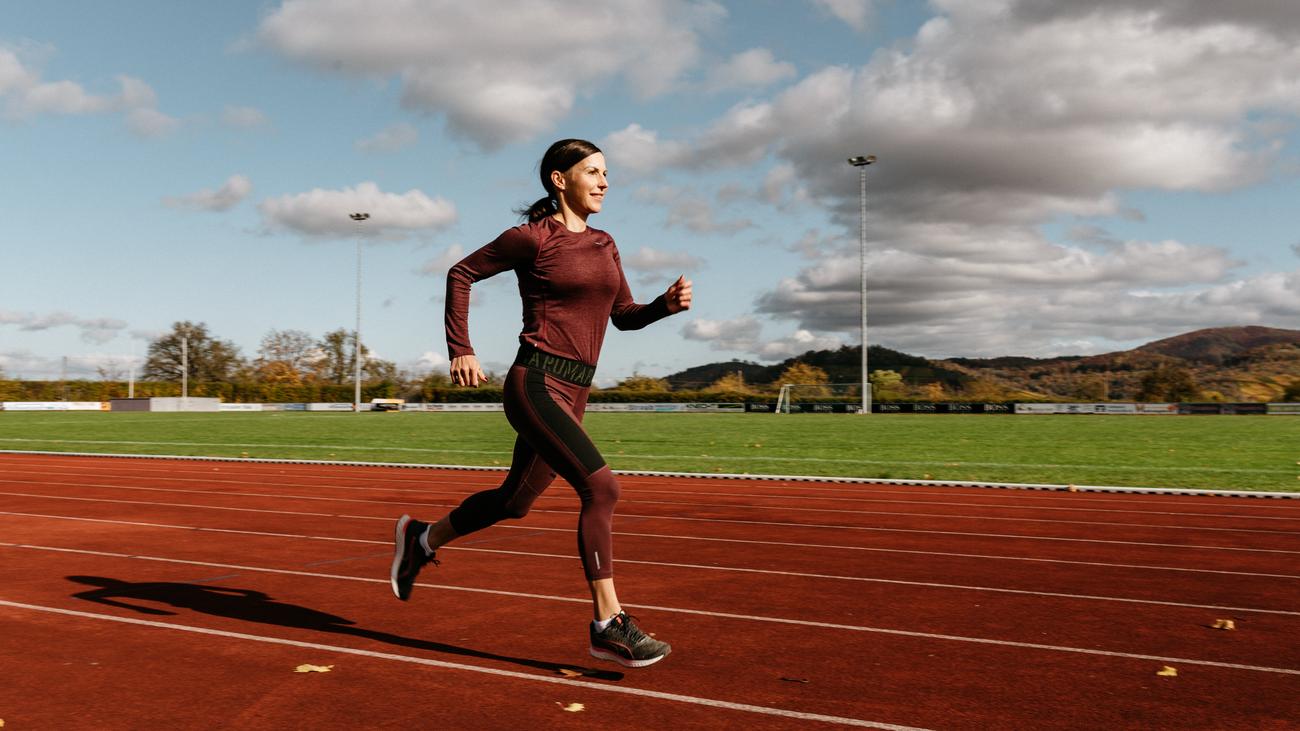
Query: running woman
point(571, 281)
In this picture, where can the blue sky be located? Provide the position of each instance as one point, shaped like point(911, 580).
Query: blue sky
point(1051, 181)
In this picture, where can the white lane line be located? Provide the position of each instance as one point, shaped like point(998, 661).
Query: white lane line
point(696, 612)
point(653, 474)
point(736, 521)
point(701, 567)
point(660, 695)
point(679, 457)
point(626, 501)
point(246, 445)
point(67, 471)
point(792, 544)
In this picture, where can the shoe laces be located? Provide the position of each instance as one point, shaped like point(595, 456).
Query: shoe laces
point(631, 630)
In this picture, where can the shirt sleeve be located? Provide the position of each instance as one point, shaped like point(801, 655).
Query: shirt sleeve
point(514, 248)
point(626, 314)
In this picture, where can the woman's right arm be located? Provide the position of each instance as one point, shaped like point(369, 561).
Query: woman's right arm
point(516, 247)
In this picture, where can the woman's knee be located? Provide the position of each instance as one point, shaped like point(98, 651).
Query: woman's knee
point(602, 489)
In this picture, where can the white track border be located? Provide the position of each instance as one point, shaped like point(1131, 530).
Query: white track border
point(707, 475)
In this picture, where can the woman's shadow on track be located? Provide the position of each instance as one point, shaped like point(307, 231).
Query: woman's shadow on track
point(254, 606)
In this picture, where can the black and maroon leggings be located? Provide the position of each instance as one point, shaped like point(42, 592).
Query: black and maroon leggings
point(546, 412)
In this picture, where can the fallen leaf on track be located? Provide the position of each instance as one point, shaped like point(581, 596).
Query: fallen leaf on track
point(313, 668)
point(572, 707)
point(1224, 624)
point(1168, 672)
point(575, 672)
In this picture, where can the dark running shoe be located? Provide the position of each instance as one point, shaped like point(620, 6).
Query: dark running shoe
point(408, 555)
point(625, 643)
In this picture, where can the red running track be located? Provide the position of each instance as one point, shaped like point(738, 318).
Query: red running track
point(142, 593)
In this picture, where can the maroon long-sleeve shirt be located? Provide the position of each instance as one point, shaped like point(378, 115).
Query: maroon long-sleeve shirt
point(570, 284)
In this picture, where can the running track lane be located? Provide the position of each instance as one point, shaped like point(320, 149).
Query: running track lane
point(885, 667)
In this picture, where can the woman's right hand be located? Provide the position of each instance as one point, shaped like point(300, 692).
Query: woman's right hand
point(465, 371)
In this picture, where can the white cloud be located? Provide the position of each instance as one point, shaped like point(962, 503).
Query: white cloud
point(497, 77)
point(325, 213)
point(92, 330)
point(146, 122)
point(638, 150)
point(438, 265)
point(690, 210)
point(26, 96)
point(646, 259)
point(754, 68)
point(800, 342)
point(429, 360)
point(234, 190)
point(856, 13)
point(741, 333)
point(744, 334)
point(243, 117)
point(998, 119)
point(391, 138)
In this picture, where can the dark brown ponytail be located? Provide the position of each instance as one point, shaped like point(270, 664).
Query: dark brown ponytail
point(560, 156)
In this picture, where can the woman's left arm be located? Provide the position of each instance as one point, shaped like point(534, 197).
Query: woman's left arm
point(626, 314)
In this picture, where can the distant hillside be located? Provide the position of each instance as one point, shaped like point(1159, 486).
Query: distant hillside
point(1229, 363)
point(842, 366)
point(1221, 344)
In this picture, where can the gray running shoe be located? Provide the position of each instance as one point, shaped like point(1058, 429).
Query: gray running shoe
point(625, 643)
point(408, 556)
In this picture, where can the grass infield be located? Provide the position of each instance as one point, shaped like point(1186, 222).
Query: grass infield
point(1209, 452)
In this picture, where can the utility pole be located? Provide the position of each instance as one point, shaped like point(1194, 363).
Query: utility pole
point(356, 342)
point(861, 162)
point(185, 373)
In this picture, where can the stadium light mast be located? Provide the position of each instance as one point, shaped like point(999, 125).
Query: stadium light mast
point(356, 335)
point(185, 373)
point(861, 162)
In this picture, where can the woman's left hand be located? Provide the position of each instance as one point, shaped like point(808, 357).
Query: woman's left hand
point(678, 296)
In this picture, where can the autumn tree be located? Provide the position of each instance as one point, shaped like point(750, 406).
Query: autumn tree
point(733, 382)
point(337, 360)
point(1168, 382)
point(800, 373)
point(1292, 393)
point(886, 385)
point(637, 382)
point(286, 356)
point(208, 359)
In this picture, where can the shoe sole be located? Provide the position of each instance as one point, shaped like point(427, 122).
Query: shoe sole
point(600, 654)
point(399, 552)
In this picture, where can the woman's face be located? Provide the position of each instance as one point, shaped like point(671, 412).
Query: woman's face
point(582, 187)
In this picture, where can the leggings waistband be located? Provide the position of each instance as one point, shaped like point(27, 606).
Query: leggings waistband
point(565, 369)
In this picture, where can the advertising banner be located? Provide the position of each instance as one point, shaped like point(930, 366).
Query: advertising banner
point(1166, 409)
point(319, 406)
point(1289, 409)
point(1035, 408)
point(239, 407)
point(55, 406)
point(464, 407)
point(668, 407)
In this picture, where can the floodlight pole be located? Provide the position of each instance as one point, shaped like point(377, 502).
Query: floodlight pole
point(861, 162)
point(185, 373)
point(356, 335)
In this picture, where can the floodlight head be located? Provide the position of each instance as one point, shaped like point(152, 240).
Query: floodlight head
point(861, 160)
point(360, 216)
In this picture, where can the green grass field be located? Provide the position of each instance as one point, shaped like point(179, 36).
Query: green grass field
point(1218, 452)
point(1259, 453)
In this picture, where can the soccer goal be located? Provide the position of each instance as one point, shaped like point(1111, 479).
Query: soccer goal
point(819, 398)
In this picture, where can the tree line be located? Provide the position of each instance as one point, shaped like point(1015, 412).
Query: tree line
point(293, 366)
